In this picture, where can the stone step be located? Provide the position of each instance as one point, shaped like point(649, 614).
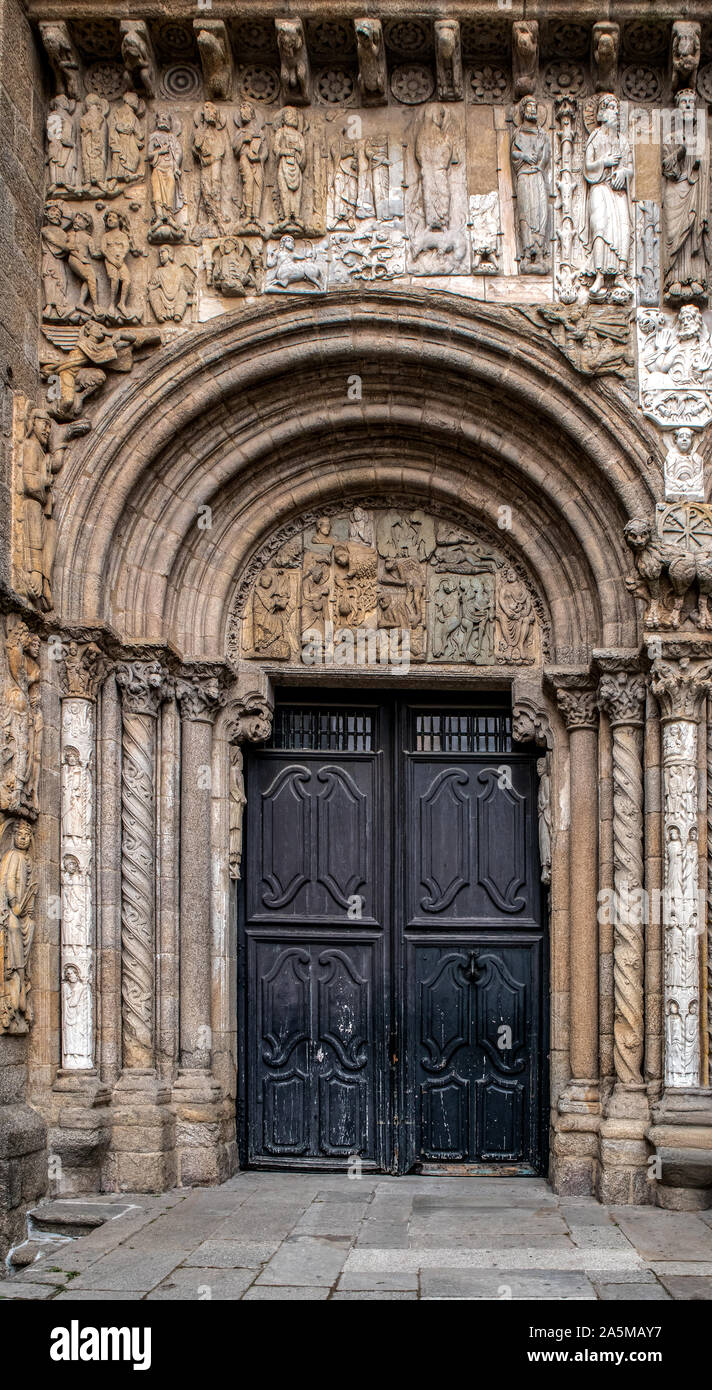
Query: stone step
point(72, 1218)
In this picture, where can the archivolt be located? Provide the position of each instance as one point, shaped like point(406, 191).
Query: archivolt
point(256, 416)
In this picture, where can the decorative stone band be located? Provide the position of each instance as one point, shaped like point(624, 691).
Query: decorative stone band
point(681, 687)
point(621, 695)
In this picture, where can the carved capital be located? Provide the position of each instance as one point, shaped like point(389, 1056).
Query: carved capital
point(81, 670)
point(621, 695)
point(578, 706)
point(200, 698)
point(250, 720)
point(143, 686)
point(680, 687)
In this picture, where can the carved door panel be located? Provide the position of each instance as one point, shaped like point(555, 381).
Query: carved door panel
point(391, 956)
point(472, 1014)
point(313, 961)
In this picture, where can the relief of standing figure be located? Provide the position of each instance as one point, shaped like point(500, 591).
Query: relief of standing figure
point(686, 204)
point(530, 154)
point(608, 169)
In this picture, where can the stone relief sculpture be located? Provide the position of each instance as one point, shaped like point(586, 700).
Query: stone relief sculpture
point(294, 61)
point(595, 339)
point(372, 67)
point(685, 163)
point(664, 576)
point(485, 232)
point(290, 152)
point(525, 56)
point(77, 373)
point(686, 49)
point(37, 464)
point(92, 128)
point(290, 270)
point(544, 816)
point(18, 891)
point(62, 164)
point(448, 59)
point(210, 147)
point(138, 57)
point(675, 367)
point(250, 149)
point(570, 203)
point(647, 238)
point(608, 169)
point(126, 139)
point(684, 468)
point(436, 208)
point(530, 155)
point(164, 155)
point(605, 44)
point(235, 268)
point(116, 245)
point(238, 802)
point(171, 288)
point(215, 57)
point(64, 59)
point(389, 571)
point(21, 722)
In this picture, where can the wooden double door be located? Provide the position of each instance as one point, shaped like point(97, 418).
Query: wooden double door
point(391, 960)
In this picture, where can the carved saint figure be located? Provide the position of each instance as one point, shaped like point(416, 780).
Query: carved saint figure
point(682, 357)
point(165, 159)
point(543, 803)
point(316, 595)
point(238, 802)
point(344, 183)
point(210, 146)
point(39, 467)
point(515, 616)
point(447, 619)
point(61, 143)
point(608, 168)
point(291, 154)
point(21, 723)
point(234, 267)
point(686, 204)
point(171, 288)
point(77, 1038)
point(92, 137)
point(530, 154)
point(82, 252)
point(270, 602)
point(18, 890)
point(250, 150)
point(126, 139)
point(436, 153)
point(116, 243)
point(55, 251)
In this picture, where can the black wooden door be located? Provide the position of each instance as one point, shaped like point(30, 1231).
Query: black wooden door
point(391, 954)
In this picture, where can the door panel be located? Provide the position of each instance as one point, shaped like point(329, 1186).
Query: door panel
point(392, 960)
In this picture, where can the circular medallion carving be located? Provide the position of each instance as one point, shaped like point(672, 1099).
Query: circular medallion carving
point(181, 81)
point(255, 36)
point(174, 39)
point(410, 38)
point(412, 83)
point(568, 78)
point(641, 84)
point(568, 40)
point(484, 38)
point(334, 86)
point(106, 79)
point(642, 40)
point(99, 38)
point(488, 84)
point(259, 84)
point(330, 38)
point(704, 82)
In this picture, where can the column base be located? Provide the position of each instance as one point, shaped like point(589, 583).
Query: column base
point(142, 1154)
point(625, 1175)
point(574, 1159)
point(681, 1133)
point(206, 1153)
point(80, 1135)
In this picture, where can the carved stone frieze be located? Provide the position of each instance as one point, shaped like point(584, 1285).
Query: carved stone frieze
point(82, 668)
point(21, 721)
point(672, 566)
point(401, 575)
point(143, 685)
point(685, 168)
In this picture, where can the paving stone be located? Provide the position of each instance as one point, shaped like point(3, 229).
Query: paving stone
point(308, 1260)
point(640, 1293)
point(98, 1295)
point(232, 1254)
point(687, 1286)
point(12, 1288)
point(129, 1269)
point(331, 1218)
point(284, 1292)
point(203, 1285)
point(383, 1234)
point(352, 1283)
point(515, 1285)
point(665, 1235)
point(387, 1295)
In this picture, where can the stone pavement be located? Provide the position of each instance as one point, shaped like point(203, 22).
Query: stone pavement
point(324, 1236)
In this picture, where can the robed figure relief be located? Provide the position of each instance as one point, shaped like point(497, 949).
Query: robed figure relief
point(530, 154)
point(435, 152)
point(18, 890)
point(686, 203)
point(608, 169)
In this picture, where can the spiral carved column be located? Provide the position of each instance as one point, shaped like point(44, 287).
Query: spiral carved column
point(622, 696)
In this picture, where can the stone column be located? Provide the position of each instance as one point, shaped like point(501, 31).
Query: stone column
point(682, 1120)
point(624, 1174)
point(81, 1133)
point(143, 1133)
point(200, 1137)
point(579, 1104)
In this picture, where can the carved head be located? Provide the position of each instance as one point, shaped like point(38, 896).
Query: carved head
point(70, 864)
point(166, 255)
point(22, 835)
point(638, 533)
point(528, 111)
point(83, 222)
point(54, 214)
point(689, 322)
point(247, 112)
point(71, 975)
point(607, 110)
point(40, 426)
point(210, 115)
point(684, 440)
point(290, 117)
point(686, 100)
point(287, 244)
point(163, 121)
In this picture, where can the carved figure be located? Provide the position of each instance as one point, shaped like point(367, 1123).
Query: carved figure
point(116, 243)
point(250, 149)
point(55, 252)
point(448, 59)
point(678, 355)
point(484, 215)
point(684, 467)
point(234, 268)
point(20, 722)
point(436, 154)
point(316, 595)
point(686, 49)
point(593, 340)
point(171, 288)
point(270, 603)
point(92, 139)
point(515, 616)
point(80, 371)
point(543, 803)
point(209, 149)
point(285, 267)
point(525, 56)
point(38, 467)
point(291, 156)
point(165, 158)
point(608, 168)
point(137, 54)
point(126, 139)
point(530, 155)
point(61, 143)
point(294, 60)
point(372, 68)
point(64, 60)
point(238, 802)
point(605, 43)
point(686, 205)
point(18, 891)
point(215, 57)
point(655, 561)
